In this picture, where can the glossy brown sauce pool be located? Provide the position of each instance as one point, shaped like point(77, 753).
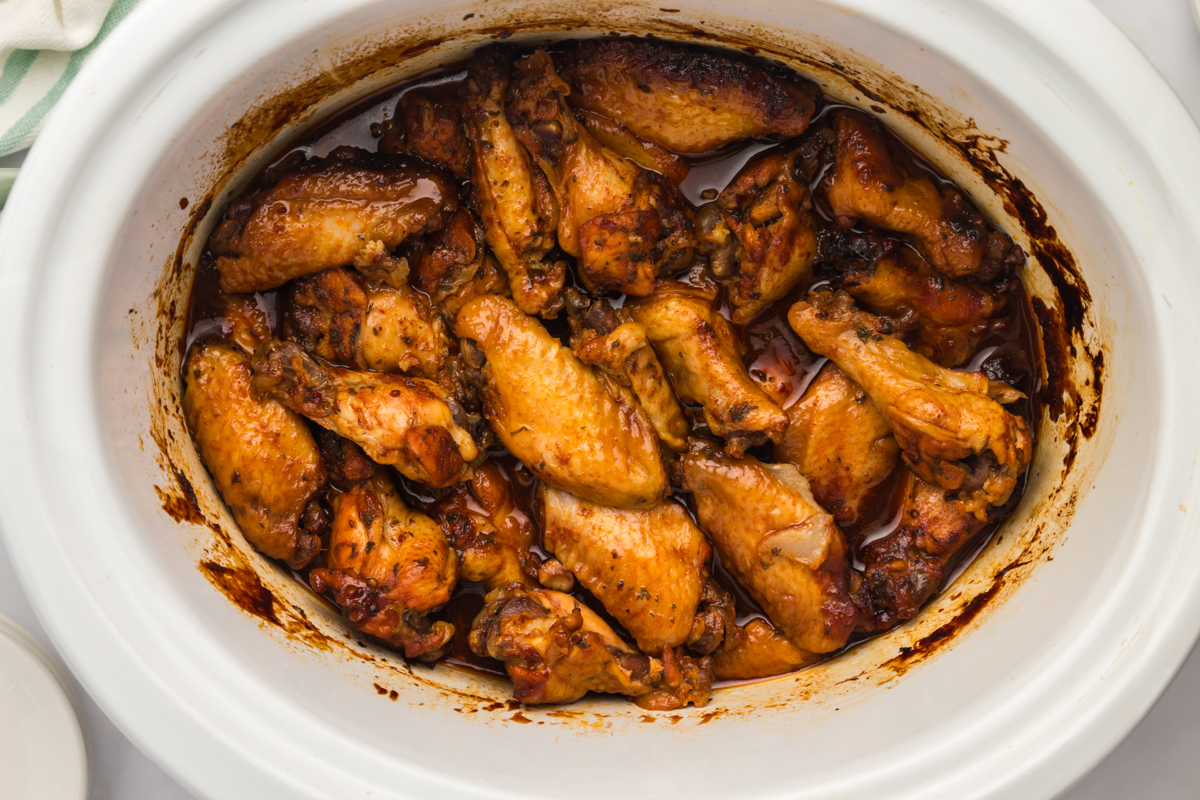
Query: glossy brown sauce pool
point(775, 356)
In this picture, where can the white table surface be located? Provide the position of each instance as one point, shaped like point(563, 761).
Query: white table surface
point(1159, 760)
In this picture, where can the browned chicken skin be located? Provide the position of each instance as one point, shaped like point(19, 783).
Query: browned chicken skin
point(905, 568)
point(568, 425)
point(557, 650)
point(410, 423)
point(607, 339)
point(875, 178)
point(450, 259)
point(777, 542)
point(340, 317)
point(940, 418)
point(840, 443)
point(350, 208)
point(493, 537)
point(759, 235)
point(688, 100)
point(952, 315)
point(699, 351)
point(648, 568)
point(624, 224)
point(616, 137)
point(759, 651)
point(428, 124)
point(261, 456)
point(514, 200)
point(389, 568)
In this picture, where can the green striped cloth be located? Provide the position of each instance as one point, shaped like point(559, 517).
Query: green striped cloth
point(32, 81)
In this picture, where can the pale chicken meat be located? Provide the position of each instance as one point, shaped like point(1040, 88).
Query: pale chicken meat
point(343, 318)
point(951, 427)
point(699, 350)
point(688, 100)
point(351, 208)
point(261, 455)
point(606, 338)
point(782, 547)
point(388, 568)
point(556, 650)
point(759, 235)
point(874, 178)
point(760, 650)
point(519, 212)
point(409, 423)
point(494, 536)
point(840, 442)
point(952, 315)
point(906, 567)
point(648, 568)
point(624, 224)
point(572, 428)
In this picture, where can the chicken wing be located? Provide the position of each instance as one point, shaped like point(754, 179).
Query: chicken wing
point(340, 317)
point(648, 568)
point(616, 137)
point(261, 456)
point(493, 536)
point(350, 208)
point(602, 337)
point(952, 315)
point(245, 320)
point(624, 224)
point(428, 124)
point(840, 443)
point(514, 200)
point(905, 568)
point(410, 423)
point(875, 178)
point(557, 650)
point(688, 100)
point(759, 651)
point(389, 568)
point(698, 349)
point(569, 426)
point(777, 542)
point(449, 259)
point(345, 462)
point(951, 426)
point(759, 235)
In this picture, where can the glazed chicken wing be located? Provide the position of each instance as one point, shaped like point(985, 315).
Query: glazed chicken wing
point(602, 337)
point(428, 124)
point(569, 426)
point(699, 351)
point(340, 317)
point(840, 443)
point(262, 457)
point(624, 224)
point(617, 138)
point(759, 235)
point(450, 259)
point(494, 537)
point(648, 568)
point(951, 426)
point(777, 542)
point(518, 209)
point(557, 650)
point(353, 207)
point(759, 651)
point(905, 568)
point(389, 568)
point(874, 178)
point(410, 423)
point(688, 100)
point(952, 315)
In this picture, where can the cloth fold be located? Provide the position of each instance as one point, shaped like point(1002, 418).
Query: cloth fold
point(43, 43)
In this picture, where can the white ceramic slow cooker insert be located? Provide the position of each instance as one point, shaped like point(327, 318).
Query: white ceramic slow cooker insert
point(1017, 679)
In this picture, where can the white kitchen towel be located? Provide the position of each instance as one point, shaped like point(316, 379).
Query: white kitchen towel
point(42, 45)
